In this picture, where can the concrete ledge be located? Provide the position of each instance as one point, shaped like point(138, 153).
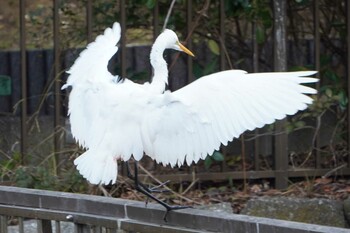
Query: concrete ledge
point(114, 213)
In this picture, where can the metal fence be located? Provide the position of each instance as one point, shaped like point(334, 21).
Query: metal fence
point(86, 214)
point(280, 142)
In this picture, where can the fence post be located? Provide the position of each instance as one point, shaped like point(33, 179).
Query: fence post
point(23, 81)
point(317, 39)
point(44, 226)
point(3, 224)
point(189, 42)
point(122, 46)
point(280, 64)
point(255, 70)
point(348, 70)
point(20, 225)
point(57, 85)
point(81, 228)
point(89, 20)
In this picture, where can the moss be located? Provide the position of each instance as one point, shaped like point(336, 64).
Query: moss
point(315, 211)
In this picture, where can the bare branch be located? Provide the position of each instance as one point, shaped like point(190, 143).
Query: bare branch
point(168, 14)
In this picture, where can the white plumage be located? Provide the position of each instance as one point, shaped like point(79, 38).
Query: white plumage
point(114, 120)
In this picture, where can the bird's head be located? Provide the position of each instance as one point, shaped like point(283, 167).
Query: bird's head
point(172, 42)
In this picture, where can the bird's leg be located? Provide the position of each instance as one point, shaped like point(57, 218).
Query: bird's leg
point(154, 189)
point(135, 179)
point(135, 176)
point(148, 189)
point(147, 192)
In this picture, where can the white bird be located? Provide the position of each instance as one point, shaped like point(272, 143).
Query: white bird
point(115, 120)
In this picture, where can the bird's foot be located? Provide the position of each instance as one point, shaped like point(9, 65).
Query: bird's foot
point(157, 189)
point(176, 207)
point(147, 191)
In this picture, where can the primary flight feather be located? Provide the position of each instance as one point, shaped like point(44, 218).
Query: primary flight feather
point(115, 120)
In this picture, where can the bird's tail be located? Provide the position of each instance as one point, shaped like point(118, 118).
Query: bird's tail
point(97, 167)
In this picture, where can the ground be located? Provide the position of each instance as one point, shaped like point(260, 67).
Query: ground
point(210, 193)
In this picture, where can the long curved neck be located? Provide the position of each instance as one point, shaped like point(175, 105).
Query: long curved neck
point(160, 69)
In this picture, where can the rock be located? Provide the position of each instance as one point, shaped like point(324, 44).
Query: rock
point(223, 207)
point(315, 211)
point(346, 204)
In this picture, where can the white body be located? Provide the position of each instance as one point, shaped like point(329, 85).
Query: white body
point(114, 120)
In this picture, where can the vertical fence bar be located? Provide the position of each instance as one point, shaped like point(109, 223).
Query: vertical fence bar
point(256, 69)
point(57, 84)
point(255, 50)
point(81, 228)
point(222, 61)
point(23, 80)
point(156, 20)
point(39, 226)
point(57, 227)
point(189, 41)
point(97, 229)
point(45, 226)
point(317, 67)
point(155, 34)
point(20, 225)
point(122, 39)
point(189, 61)
point(113, 230)
point(348, 70)
point(89, 20)
point(222, 34)
point(122, 55)
point(3, 224)
point(280, 64)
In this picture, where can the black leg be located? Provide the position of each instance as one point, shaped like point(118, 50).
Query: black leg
point(135, 176)
point(155, 189)
point(148, 192)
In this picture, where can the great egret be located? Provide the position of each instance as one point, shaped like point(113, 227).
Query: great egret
point(115, 119)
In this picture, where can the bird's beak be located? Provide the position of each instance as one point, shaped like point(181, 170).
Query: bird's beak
point(184, 49)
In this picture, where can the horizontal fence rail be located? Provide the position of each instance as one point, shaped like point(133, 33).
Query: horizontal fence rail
point(103, 214)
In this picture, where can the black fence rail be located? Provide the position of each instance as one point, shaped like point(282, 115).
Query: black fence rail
point(40, 64)
point(95, 214)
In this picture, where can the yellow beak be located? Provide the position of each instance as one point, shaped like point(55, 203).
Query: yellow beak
point(186, 50)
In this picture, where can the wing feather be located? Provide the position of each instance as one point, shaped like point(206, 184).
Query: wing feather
point(91, 65)
point(99, 120)
point(90, 73)
point(195, 120)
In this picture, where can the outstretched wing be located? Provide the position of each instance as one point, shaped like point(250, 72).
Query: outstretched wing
point(92, 95)
point(90, 80)
point(195, 120)
point(91, 65)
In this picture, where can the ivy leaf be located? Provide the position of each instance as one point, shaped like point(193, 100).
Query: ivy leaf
point(214, 47)
point(259, 34)
point(329, 92)
point(300, 124)
point(197, 70)
point(343, 100)
point(266, 18)
point(150, 4)
point(208, 162)
point(5, 85)
point(217, 156)
point(211, 67)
